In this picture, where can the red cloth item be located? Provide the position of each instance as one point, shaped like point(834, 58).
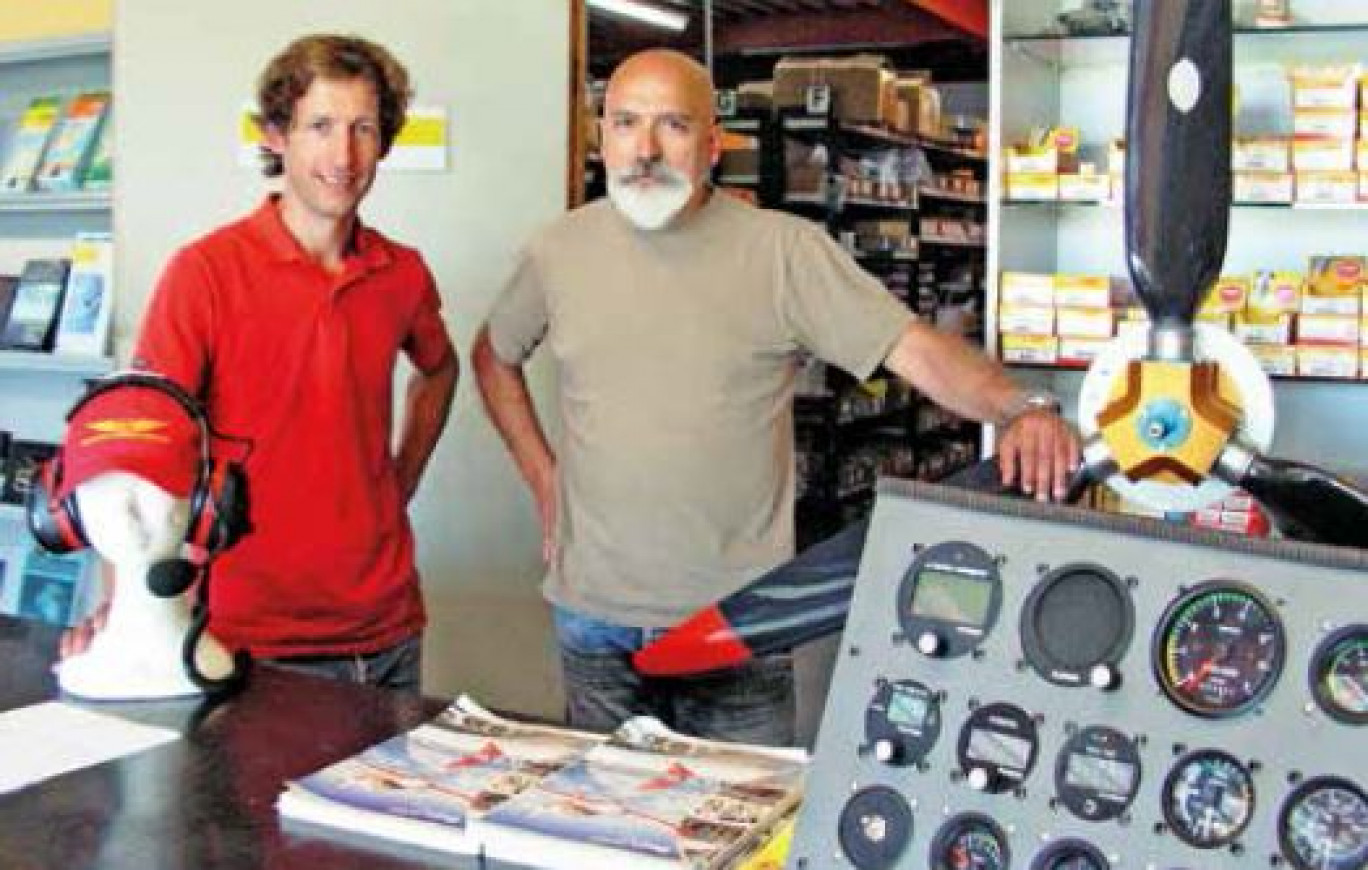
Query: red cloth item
point(136, 429)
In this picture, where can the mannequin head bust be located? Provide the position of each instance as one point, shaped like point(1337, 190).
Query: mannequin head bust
point(131, 521)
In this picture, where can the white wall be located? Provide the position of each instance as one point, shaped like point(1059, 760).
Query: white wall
point(182, 73)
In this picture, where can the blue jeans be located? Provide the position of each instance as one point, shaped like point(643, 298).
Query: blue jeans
point(399, 667)
point(753, 703)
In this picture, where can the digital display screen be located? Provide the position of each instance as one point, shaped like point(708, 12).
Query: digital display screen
point(996, 748)
point(952, 597)
point(1103, 775)
point(906, 709)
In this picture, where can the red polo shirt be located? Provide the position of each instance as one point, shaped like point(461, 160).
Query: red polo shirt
point(300, 363)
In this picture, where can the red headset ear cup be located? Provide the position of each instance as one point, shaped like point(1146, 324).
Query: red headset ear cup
point(55, 523)
point(219, 510)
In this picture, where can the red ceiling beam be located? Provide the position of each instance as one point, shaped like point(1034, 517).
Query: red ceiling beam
point(971, 16)
point(897, 25)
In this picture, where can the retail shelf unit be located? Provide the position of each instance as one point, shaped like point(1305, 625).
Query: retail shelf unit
point(850, 433)
point(36, 389)
point(1042, 79)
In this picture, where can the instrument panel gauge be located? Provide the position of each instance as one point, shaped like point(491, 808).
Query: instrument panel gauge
point(1071, 855)
point(874, 828)
point(970, 842)
point(1208, 799)
point(1339, 675)
point(1076, 626)
point(948, 601)
point(997, 748)
point(1218, 649)
point(1323, 825)
point(902, 722)
point(1097, 773)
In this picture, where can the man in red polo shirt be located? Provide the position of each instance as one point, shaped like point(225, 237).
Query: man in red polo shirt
point(287, 324)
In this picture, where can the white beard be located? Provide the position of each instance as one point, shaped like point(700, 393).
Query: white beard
point(653, 206)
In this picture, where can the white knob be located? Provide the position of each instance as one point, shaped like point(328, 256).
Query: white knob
point(929, 643)
point(885, 750)
point(1102, 676)
point(978, 779)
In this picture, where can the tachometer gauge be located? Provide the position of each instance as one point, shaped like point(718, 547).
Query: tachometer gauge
point(1339, 675)
point(1218, 649)
point(1324, 826)
point(1208, 799)
point(1071, 855)
point(970, 842)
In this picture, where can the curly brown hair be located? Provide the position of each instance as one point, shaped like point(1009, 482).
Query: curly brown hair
point(334, 57)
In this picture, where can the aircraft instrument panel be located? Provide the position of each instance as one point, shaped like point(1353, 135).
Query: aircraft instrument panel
point(1048, 688)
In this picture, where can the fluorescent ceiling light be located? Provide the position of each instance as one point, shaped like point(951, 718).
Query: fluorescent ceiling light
point(677, 21)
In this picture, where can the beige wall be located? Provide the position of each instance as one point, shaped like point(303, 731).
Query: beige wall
point(182, 73)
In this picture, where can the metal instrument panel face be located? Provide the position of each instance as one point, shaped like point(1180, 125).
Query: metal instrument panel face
point(1159, 803)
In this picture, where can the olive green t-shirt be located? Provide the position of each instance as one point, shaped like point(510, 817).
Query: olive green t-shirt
point(676, 354)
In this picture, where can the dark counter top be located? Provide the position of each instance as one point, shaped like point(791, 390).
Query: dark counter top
point(206, 801)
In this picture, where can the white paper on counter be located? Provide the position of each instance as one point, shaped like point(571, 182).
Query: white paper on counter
point(43, 740)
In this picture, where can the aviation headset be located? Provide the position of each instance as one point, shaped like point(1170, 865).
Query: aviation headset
point(218, 502)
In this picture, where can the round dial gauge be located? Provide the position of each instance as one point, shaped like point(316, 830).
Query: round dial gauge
point(1218, 649)
point(1208, 799)
point(1071, 855)
point(1339, 675)
point(902, 722)
point(970, 842)
point(1324, 826)
point(949, 599)
point(875, 827)
point(1076, 625)
point(997, 747)
point(1097, 773)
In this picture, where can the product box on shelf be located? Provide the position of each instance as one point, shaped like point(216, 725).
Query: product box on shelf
point(1032, 186)
point(1328, 329)
point(1363, 363)
point(1327, 361)
point(1026, 319)
point(859, 84)
point(1083, 291)
point(1228, 295)
point(1334, 285)
point(1087, 186)
point(1318, 154)
point(1073, 322)
point(1331, 86)
point(1276, 359)
point(1027, 288)
point(1273, 293)
point(1074, 350)
point(1263, 154)
point(1275, 329)
point(1325, 123)
point(1040, 349)
point(1325, 187)
point(1263, 187)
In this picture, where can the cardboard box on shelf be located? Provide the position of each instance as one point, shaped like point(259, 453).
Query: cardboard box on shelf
point(1276, 359)
point(1040, 349)
point(1084, 187)
point(1272, 187)
point(1228, 295)
point(1334, 285)
point(1327, 187)
point(1250, 329)
point(1273, 293)
point(1074, 350)
point(1083, 291)
point(1075, 322)
point(1026, 319)
point(1330, 86)
point(1263, 154)
point(1027, 288)
point(1328, 329)
point(1033, 186)
point(1327, 361)
point(1326, 123)
point(1363, 363)
point(1318, 154)
point(858, 84)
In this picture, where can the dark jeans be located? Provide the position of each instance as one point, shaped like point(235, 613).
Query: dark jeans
point(399, 667)
point(750, 704)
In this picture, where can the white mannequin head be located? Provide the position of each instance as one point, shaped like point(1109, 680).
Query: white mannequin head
point(131, 521)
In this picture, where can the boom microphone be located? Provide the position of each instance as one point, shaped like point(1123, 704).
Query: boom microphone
point(171, 577)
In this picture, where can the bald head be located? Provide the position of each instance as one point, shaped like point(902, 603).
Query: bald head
point(666, 71)
point(659, 137)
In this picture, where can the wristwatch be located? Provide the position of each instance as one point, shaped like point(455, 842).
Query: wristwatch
point(1029, 400)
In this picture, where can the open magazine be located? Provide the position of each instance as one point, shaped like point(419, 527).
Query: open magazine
point(474, 783)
